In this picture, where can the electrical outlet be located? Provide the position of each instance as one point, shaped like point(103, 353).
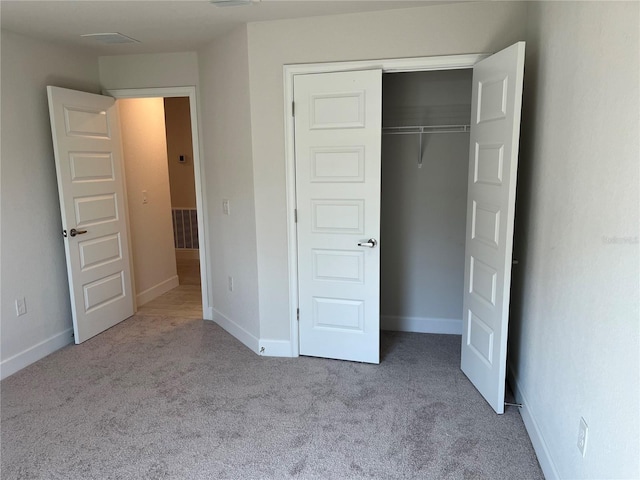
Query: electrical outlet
point(21, 306)
point(582, 436)
point(231, 284)
point(226, 207)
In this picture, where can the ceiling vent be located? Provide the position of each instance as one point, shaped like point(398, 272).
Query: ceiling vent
point(110, 38)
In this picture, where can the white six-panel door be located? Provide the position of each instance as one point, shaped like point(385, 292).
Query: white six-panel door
point(493, 163)
point(86, 140)
point(338, 119)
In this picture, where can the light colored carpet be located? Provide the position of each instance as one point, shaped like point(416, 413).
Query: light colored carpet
point(161, 397)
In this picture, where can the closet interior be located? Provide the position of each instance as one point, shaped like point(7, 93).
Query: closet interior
point(425, 161)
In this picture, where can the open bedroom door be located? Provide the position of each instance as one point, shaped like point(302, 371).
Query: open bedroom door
point(87, 148)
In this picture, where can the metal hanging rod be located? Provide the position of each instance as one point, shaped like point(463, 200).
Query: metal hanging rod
point(425, 129)
point(421, 130)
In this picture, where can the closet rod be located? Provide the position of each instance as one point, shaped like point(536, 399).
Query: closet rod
point(421, 130)
point(425, 129)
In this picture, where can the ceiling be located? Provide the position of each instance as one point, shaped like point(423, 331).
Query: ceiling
point(162, 26)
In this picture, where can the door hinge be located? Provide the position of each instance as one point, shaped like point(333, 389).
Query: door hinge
point(295, 215)
point(293, 109)
point(298, 314)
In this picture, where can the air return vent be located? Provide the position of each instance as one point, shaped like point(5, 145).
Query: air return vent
point(110, 38)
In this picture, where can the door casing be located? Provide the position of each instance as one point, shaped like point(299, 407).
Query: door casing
point(396, 65)
point(190, 92)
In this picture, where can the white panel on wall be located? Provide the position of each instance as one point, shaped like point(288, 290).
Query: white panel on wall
point(337, 164)
point(338, 265)
point(91, 167)
point(337, 111)
point(338, 314)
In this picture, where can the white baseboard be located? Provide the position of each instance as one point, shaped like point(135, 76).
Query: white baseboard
point(187, 254)
point(157, 290)
point(207, 313)
point(32, 354)
point(451, 326)
point(275, 348)
point(235, 330)
point(535, 434)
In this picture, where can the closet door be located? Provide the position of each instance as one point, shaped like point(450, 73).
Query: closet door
point(338, 120)
point(495, 127)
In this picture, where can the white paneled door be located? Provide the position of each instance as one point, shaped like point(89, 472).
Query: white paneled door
point(86, 139)
point(495, 130)
point(338, 120)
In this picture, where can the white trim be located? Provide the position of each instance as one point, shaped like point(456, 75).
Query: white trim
point(37, 352)
point(157, 290)
point(187, 254)
point(274, 348)
point(393, 65)
point(533, 429)
point(198, 170)
point(450, 326)
point(235, 330)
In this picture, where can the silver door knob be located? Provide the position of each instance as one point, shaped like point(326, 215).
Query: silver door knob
point(371, 243)
point(73, 232)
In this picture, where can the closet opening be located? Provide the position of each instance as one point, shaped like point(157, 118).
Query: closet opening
point(425, 166)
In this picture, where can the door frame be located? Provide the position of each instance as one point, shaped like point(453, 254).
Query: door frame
point(392, 65)
point(190, 92)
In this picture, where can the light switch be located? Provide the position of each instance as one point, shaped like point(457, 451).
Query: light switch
point(226, 208)
point(145, 200)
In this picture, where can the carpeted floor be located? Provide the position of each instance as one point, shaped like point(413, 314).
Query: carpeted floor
point(160, 397)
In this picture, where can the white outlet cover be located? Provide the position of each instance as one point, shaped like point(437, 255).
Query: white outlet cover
point(583, 435)
point(21, 306)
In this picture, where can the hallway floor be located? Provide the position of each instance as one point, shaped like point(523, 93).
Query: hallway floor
point(184, 301)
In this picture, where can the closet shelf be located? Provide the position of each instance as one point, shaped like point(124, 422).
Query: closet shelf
point(422, 129)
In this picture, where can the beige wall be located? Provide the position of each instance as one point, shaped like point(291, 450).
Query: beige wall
point(435, 30)
point(33, 259)
point(226, 119)
point(149, 70)
point(574, 340)
point(145, 159)
point(181, 177)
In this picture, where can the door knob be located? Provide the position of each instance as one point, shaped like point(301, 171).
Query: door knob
point(371, 243)
point(73, 232)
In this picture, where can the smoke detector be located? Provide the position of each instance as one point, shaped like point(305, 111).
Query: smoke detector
point(110, 38)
